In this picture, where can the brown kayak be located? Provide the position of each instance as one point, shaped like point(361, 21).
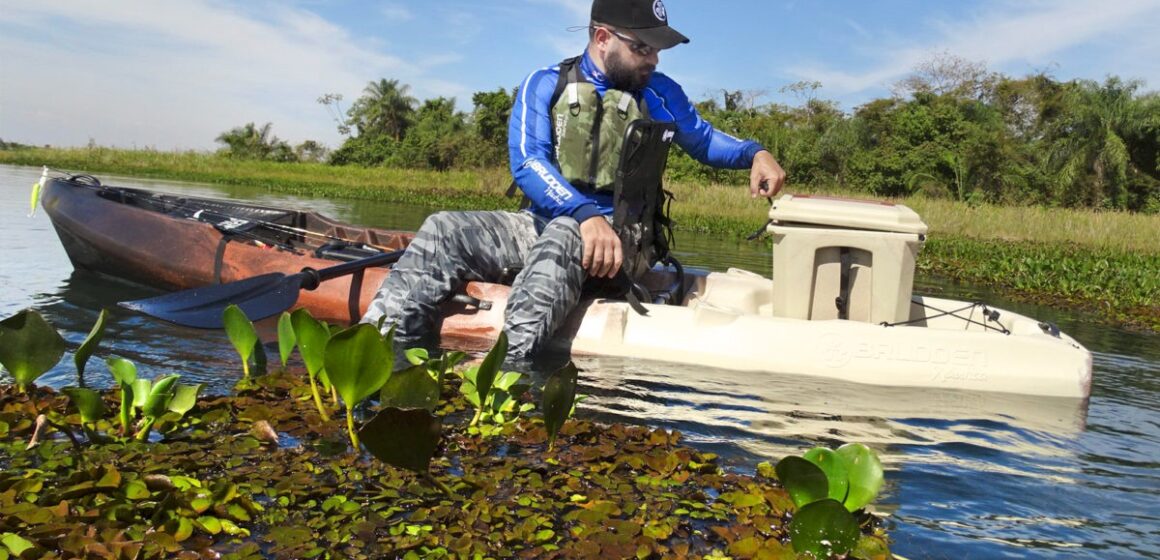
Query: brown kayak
point(177, 242)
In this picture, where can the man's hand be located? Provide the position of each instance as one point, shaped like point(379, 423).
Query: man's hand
point(602, 253)
point(765, 170)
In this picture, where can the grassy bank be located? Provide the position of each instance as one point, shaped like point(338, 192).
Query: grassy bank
point(1106, 262)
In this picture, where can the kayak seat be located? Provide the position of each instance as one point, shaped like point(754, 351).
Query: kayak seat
point(737, 291)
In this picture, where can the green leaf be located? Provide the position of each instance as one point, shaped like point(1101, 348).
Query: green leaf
point(29, 346)
point(485, 375)
point(312, 337)
point(823, 528)
point(88, 403)
point(865, 474)
point(417, 356)
point(835, 468)
point(141, 389)
point(16, 543)
point(157, 402)
point(411, 388)
point(556, 402)
point(286, 337)
point(241, 333)
point(403, 438)
point(358, 362)
point(124, 371)
point(184, 398)
point(81, 358)
point(804, 481)
point(507, 379)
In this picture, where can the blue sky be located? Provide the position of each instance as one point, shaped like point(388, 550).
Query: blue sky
point(175, 74)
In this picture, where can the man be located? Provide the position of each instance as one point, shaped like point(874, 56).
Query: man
point(568, 126)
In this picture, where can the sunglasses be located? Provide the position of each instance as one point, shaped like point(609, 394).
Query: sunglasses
point(635, 46)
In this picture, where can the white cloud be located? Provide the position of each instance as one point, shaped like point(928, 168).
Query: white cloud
point(1012, 34)
point(176, 74)
point(396, 12)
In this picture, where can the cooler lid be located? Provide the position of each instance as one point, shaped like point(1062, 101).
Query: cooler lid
point(809, 210)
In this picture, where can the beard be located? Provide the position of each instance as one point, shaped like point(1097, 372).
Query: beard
point(626, 77)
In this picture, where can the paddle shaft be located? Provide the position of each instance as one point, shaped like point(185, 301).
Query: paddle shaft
point(311, 278)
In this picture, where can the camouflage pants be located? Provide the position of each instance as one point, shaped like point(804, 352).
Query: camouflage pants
point(452, 248)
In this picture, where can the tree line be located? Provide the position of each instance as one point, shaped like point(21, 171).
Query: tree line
point(951, 129)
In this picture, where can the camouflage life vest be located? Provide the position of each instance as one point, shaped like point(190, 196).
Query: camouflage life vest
point(608, 144)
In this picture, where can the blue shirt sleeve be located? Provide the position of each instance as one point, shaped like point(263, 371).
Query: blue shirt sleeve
point(532, 156)
point(667, 101)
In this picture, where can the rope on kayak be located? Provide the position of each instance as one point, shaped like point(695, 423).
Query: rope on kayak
point(989, 316)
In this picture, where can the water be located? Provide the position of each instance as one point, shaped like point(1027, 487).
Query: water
point(969, 475)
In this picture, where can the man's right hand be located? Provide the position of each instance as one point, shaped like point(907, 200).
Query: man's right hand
point(602, 253)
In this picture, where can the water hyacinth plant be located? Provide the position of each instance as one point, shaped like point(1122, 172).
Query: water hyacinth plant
point(81, 358)
point(242, 334)
point(311, 336)
point(358, 362)
point(827, 486)
point(29, 347)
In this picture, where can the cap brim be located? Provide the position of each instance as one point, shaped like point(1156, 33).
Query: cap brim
point(662, 37)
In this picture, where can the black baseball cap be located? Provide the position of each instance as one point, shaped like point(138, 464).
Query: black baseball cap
point(647, 19)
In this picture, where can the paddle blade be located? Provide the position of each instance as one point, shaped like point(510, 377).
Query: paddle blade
point(259, 297)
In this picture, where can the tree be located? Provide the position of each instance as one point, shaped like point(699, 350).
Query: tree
point(311, 151)
point(252, 142)
point(1089, 142)
point(947, 74)
point(385, 108)
point(436, 138)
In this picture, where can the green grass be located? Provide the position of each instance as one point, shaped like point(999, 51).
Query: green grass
point(1107, 262)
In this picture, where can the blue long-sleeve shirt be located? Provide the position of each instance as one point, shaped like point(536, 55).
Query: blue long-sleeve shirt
point(533, 156)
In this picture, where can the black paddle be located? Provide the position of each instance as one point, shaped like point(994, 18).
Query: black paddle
point(259, 297)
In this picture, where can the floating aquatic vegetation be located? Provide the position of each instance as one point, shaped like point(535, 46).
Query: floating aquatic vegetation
point(311, 335)
point(558, 398)
point(89, 345)
point(827, 487)
point(358, 362)
point(240, 330)
point(29, 347)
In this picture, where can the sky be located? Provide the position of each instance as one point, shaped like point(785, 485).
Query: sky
point(174, 74)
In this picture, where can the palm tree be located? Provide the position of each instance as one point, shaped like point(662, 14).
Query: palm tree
point(385, 108)
point(1089, 142)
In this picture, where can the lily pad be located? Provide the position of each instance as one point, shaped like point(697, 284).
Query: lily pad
point(29, 346)
point(403, 438)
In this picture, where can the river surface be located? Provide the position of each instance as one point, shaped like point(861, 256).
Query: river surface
point(969, 475)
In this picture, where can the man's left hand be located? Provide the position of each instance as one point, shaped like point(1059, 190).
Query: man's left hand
point(766, 177)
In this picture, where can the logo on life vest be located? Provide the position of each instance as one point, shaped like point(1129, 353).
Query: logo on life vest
point(659, 11)
point(667, 136)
